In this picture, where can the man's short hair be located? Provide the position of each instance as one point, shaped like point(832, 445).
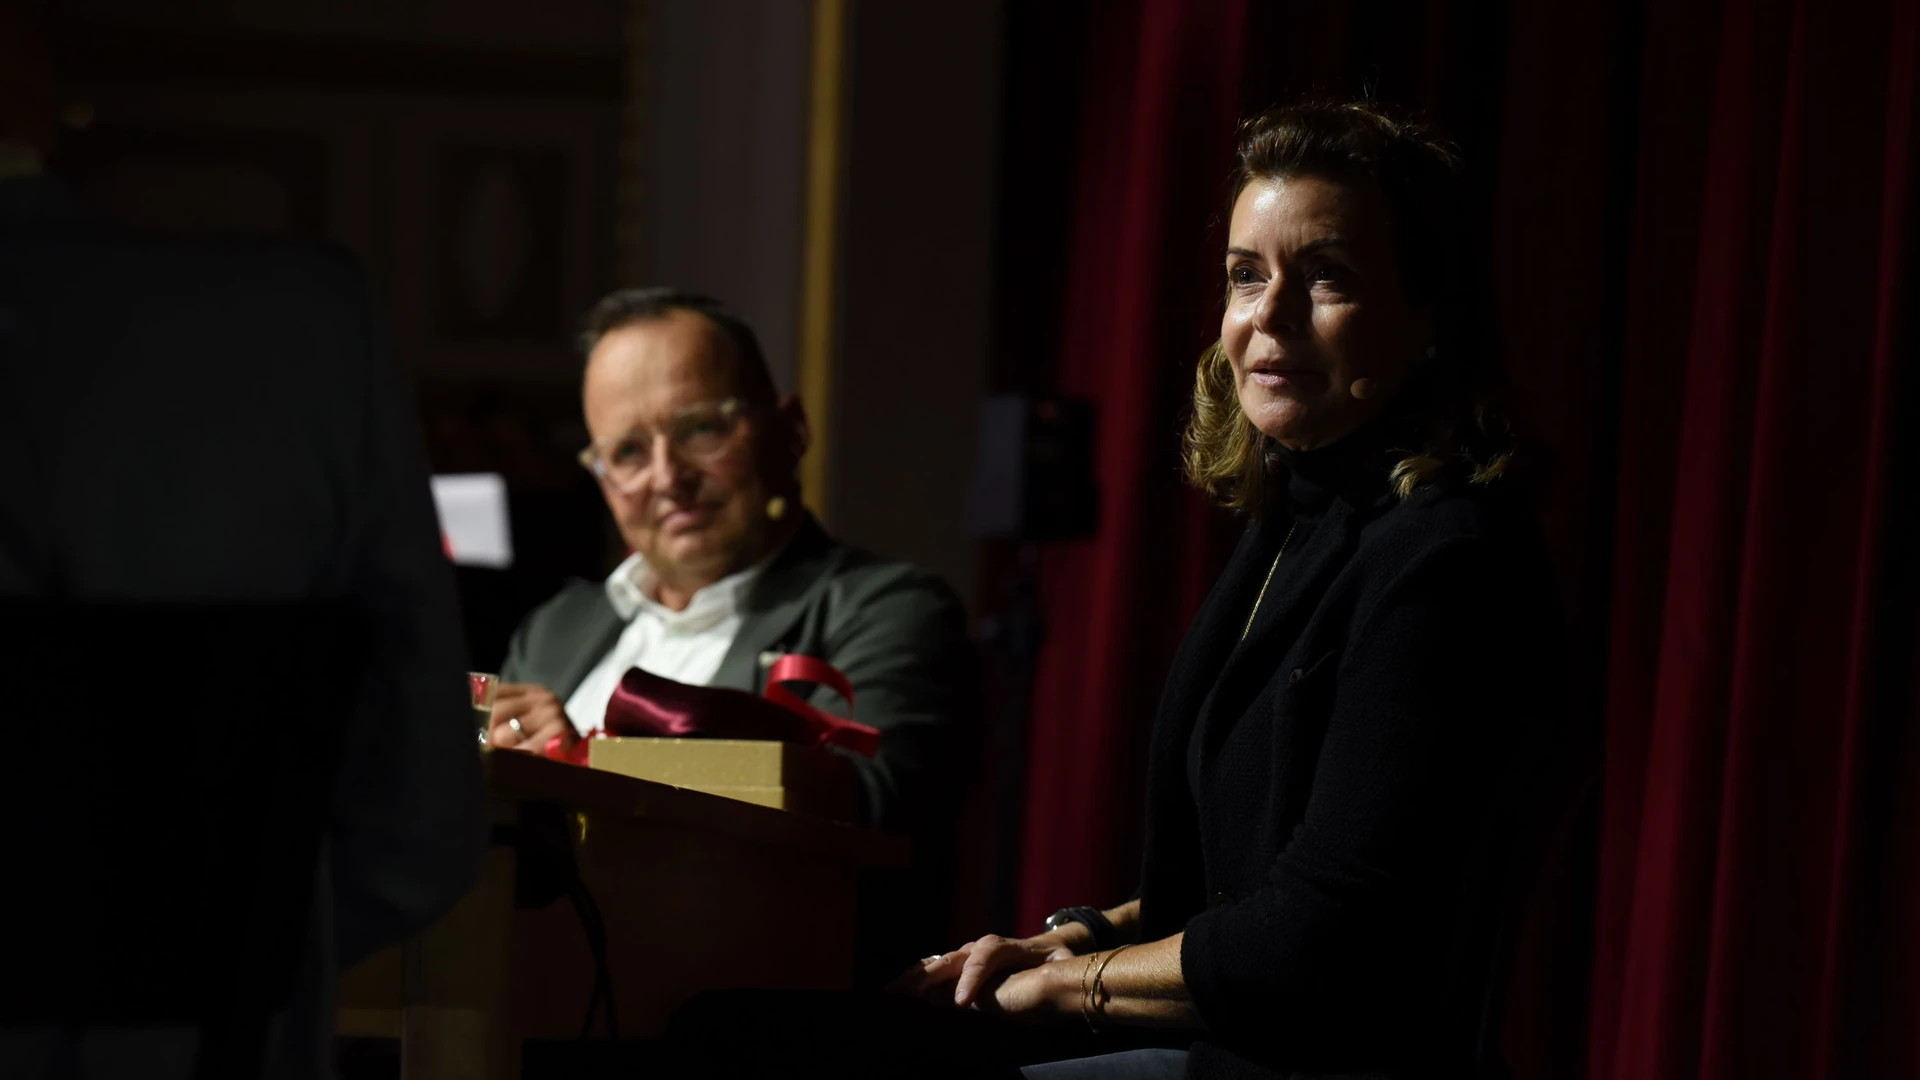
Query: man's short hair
point(624, 307)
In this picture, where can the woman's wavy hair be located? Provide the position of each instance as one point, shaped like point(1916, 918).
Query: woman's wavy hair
point(1444, 421)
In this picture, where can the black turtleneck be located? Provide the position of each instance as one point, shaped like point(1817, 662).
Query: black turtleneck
point(1354, 468)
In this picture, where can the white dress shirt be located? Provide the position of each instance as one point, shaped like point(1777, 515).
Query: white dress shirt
point(685, 646)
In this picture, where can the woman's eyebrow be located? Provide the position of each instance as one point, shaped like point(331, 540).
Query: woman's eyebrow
point(1307, 248)
point(1320, 245)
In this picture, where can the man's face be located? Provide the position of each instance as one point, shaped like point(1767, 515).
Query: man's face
point(694, 517)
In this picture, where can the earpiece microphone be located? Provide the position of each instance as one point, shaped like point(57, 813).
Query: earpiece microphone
point(1361, 389)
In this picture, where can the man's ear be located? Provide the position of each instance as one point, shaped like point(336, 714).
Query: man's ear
point(793, 421)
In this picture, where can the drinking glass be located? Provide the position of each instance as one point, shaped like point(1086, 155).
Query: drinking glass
point(480, 687)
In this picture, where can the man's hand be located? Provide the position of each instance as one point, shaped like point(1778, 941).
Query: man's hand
point(527, 717)
point(978, 967)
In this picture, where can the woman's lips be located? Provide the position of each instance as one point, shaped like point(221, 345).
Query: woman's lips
point(1289, 378)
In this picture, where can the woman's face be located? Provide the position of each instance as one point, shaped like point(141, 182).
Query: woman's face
point(1314, 305)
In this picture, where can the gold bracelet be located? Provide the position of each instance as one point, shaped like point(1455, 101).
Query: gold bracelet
point(1100, 1006)
point(1085, 1000)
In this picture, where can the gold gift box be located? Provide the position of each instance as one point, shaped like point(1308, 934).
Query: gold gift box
point(809, 779)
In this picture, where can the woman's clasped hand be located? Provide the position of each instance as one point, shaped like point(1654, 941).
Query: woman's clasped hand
point(1030, 977)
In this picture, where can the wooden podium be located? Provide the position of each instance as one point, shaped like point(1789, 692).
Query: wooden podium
point(697, 892)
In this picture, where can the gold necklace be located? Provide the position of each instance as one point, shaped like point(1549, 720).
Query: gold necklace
point(1269, 581)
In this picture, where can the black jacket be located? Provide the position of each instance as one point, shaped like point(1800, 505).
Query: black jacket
point(1334, 800)
point(202, 434)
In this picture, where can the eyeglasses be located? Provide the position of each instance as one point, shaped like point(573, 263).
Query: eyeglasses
point(698, 435)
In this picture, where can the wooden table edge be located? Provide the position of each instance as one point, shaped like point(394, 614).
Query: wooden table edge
point(580, 788)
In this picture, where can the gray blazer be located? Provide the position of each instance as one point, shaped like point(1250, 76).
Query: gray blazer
point(897, 631)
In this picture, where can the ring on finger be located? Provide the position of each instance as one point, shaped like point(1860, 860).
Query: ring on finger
point(514, 723)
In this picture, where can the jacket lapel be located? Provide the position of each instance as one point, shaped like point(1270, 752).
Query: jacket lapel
point(1293, 595)
point(775, 604)
point(1172, 881)
point(587, 643)
point(1216, 627)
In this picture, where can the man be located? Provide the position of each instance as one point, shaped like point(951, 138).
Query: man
point(227, 609)
point(697, 459)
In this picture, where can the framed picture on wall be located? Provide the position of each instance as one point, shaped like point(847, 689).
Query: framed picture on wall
point(502, 233)
point(499, 239)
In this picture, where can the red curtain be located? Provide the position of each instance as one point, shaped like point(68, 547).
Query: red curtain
point(1746, 720)
point(1704, 239)
point(1163, 93)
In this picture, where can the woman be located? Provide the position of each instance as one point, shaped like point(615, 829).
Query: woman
point(1333, 786)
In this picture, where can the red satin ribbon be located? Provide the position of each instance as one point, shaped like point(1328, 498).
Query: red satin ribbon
point(831, 730)
point(575, 754)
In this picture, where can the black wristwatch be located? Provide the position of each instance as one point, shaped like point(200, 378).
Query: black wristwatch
point(1090, 917)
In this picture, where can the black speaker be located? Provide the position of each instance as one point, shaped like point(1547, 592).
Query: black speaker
point(1033, 478)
